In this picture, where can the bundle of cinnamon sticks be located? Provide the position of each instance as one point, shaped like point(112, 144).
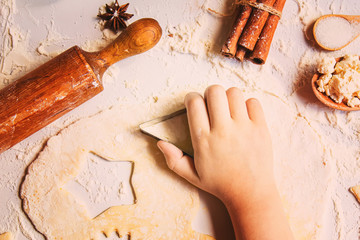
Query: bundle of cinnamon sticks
point(253, 30)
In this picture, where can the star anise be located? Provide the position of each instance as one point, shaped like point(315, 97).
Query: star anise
point(115, 16)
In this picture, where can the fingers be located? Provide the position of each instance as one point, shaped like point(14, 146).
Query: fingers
point(255, 111)
point(237, 104)
point(197, 115)
point(218, 106)
point(178, 162)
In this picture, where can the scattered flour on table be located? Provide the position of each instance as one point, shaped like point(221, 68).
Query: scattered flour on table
point(340, 221)
point(307, 12)
point(186, 38)
point(95, 45)
point(303, 137)
point(53, 37)
point(14, 53)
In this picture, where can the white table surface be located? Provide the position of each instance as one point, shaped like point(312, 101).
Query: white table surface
point(175, 65)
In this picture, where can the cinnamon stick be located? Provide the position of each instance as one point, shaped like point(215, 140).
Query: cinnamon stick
point(254, 26)
point(262, 47)
point(230, 46)
point(240, 53)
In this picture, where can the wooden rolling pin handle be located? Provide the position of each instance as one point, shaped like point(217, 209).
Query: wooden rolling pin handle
point(139, 37)
point(65, 82)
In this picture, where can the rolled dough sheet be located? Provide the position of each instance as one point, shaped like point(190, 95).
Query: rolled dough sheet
point(6, 236)
point(165, 204)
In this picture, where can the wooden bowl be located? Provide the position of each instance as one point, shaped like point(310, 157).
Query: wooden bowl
point(352, 19)
point(326, 99)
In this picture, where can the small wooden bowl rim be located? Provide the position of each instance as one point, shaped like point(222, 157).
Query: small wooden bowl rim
point(349, 18)
point(326, 99)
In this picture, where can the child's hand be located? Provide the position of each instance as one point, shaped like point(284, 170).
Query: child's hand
point(232, 146)
point(232, 160)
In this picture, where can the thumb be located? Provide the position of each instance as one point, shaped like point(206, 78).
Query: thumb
point(181, 164)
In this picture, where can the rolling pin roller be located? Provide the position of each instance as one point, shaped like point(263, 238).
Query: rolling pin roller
point(65, 82)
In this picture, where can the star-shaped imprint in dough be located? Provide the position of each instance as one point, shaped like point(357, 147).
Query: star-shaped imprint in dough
point(102, 184)
point(165, 204)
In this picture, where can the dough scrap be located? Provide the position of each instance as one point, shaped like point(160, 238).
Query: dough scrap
point(355, 190)
point(6, 236)
point(165, 204)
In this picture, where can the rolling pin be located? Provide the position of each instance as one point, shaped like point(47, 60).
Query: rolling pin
point(63, 83)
